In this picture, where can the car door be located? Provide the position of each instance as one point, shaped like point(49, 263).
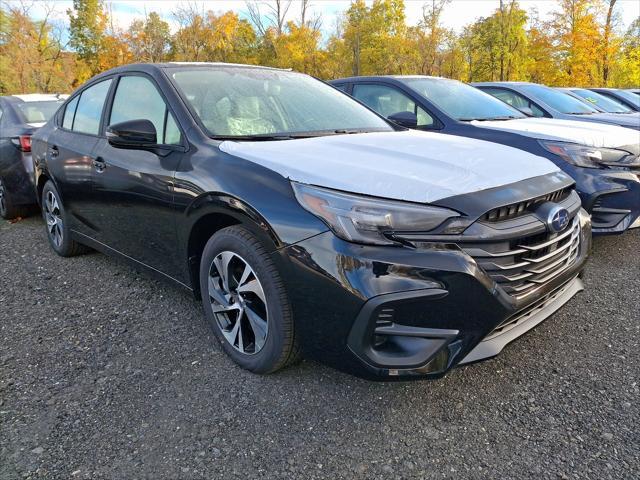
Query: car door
point(515, 100)
point(133, 188)
point(69, 152)
point(388, 100)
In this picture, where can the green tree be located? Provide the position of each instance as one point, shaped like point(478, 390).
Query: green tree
point(87, 30)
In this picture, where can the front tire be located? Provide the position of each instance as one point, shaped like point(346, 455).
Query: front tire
point(55, 218)
point(245, 302)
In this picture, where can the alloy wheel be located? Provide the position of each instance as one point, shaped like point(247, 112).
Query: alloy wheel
point(238, 302)
point(53, 216)
point(3, 199)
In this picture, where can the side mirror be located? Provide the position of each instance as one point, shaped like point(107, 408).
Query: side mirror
point(527, 111)
point(405, 119)
point(132, 134)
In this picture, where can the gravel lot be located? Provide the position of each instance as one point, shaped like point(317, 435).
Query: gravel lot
point(106, 373)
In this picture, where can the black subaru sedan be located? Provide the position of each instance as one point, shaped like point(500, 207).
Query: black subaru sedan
point(308, 224)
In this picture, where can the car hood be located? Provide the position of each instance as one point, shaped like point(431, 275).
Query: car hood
point(584, 133)
point(409, 165)
point(617, 119)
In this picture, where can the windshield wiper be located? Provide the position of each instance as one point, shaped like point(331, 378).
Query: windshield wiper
point(503, 117)
point(484, 119)
point(292, 136)
point(261, 137)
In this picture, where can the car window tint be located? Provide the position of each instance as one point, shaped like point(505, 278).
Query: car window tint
point(515, 100)
point(343, 86)
point(388, 100)
point(89, 110)
point(69, 112)
point(137, 98)
point(560, 101)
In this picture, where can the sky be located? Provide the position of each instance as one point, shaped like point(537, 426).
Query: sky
point(456, 15)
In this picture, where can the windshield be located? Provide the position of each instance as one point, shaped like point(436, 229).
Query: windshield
point(244, 102)
point(461, 101)
point(562, 102)
point(605, 103)
point(629, 97)
point(38, 112)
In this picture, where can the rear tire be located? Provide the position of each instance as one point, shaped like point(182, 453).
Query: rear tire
point(245, 302)
point(8, 210)
point(57, 225)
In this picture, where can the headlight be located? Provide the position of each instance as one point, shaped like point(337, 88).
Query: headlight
point(591, 157)
point(366, 220)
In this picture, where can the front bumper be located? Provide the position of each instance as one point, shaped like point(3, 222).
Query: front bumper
point(401, 313)
point(612, 198)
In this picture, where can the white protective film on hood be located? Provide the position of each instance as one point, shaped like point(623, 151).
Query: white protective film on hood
point(411, 166)
point(585, 133)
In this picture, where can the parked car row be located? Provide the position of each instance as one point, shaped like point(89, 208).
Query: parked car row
point(602, 159)
point(420, 225)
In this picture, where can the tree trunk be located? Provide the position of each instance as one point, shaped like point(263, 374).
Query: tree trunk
point(607, 41)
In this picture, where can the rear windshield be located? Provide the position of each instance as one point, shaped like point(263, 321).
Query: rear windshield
point(461, 101)
point(607, 104)
point(38, 112)
point(237, 102)
point(560, 101)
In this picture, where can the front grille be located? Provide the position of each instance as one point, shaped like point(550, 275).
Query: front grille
point(522, 265)
point(516, 209)
point(525, 314)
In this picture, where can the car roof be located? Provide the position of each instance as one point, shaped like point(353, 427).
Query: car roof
point(36, 97)
point(156, 67)
point(385, 77)
point(504, 83)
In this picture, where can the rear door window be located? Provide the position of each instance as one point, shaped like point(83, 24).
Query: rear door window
point(89, 109)
point(388, 100)
point(137, 98)
point(515, 100)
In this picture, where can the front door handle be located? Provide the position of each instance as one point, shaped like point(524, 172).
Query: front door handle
point(99, 164)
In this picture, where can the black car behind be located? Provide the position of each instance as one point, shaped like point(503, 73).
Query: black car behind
point(20, 117)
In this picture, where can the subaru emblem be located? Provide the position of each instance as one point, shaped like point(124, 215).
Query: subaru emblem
point(558, 219)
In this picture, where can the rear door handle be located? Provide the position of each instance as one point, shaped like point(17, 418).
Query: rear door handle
point(53, 151)
point(99, 164)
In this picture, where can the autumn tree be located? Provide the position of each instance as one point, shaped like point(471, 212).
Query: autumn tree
point(375, 40)
point(542, 60)
point(87, 32)
point(512, 39)
point(149, 39)
point(430, 36)
point(577, 38)
point(626, 71)
point(32, 52)
point(190, 41)
point(298, 48)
